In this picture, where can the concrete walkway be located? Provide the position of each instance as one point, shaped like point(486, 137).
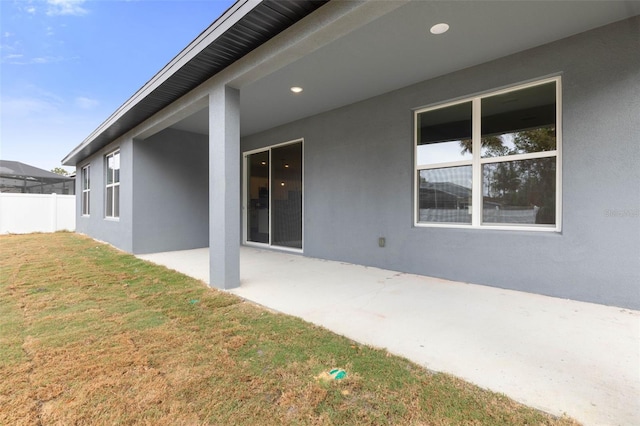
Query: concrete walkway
point(557, 355)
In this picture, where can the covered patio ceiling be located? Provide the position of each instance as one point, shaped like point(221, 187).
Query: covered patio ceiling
point(397, 49)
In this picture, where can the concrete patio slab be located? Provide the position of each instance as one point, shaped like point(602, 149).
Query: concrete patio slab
point(557, 355)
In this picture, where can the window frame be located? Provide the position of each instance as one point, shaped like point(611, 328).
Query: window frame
point(85, 200)
point(477, 161)
point(110, 214)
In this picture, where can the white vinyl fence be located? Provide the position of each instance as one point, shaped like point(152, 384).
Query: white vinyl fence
point(25, 213)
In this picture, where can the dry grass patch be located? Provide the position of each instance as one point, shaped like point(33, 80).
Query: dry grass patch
point(91, 335)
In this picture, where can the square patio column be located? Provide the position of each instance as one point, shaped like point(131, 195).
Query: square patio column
point(224, 187)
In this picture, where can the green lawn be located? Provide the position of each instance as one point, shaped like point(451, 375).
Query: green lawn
point(90, 335)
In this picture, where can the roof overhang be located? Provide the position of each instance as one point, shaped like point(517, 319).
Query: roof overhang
point(17, 170)
point(341, 53)
point(246, 25)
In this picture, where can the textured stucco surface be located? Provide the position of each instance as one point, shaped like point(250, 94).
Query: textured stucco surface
point(359, 178)
point(114, 231)
point(171, 192)
point(358, 164)
point(224, 183)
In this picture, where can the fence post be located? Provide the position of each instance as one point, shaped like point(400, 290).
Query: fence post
point(54, 213)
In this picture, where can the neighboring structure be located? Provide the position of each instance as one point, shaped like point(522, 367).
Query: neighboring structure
point(17, 177)
point(503, 152)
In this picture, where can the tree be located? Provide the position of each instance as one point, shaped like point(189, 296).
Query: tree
point(493, 144)
point(521, 183)
point(60, 171)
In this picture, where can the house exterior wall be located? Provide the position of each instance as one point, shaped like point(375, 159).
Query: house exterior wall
point(359, 178)
point(171, 192)
point(114, 231)
point(164, 194)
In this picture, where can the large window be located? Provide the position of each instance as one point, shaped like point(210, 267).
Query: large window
point(491, 161)
point(86, 190)
point(112, 162)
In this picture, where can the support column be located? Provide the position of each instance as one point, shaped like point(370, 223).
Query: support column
point(224, 187)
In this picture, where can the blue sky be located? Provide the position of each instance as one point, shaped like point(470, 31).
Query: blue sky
point(66, 65)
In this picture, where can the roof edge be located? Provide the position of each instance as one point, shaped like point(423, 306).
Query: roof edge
point(226, 21)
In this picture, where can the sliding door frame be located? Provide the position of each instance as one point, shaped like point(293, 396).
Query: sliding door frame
point(245, 196)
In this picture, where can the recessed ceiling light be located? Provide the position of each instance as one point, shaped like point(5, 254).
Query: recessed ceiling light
point(296, 89)
point(439, 28)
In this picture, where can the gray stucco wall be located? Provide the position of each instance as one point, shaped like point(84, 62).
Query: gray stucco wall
point(359, 178)
point(171, 192)
point(113, 231)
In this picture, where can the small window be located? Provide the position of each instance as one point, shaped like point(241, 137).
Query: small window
point(86, 190)
point(491, 161)
point(112, 162)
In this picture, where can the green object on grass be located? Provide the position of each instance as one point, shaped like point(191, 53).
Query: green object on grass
point(338, 373)
point(193, 301)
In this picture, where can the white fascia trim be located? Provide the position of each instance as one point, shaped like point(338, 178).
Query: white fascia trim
point(236, 12)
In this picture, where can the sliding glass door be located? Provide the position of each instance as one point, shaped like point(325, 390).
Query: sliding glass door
point(258, 193)
point(273, 203)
